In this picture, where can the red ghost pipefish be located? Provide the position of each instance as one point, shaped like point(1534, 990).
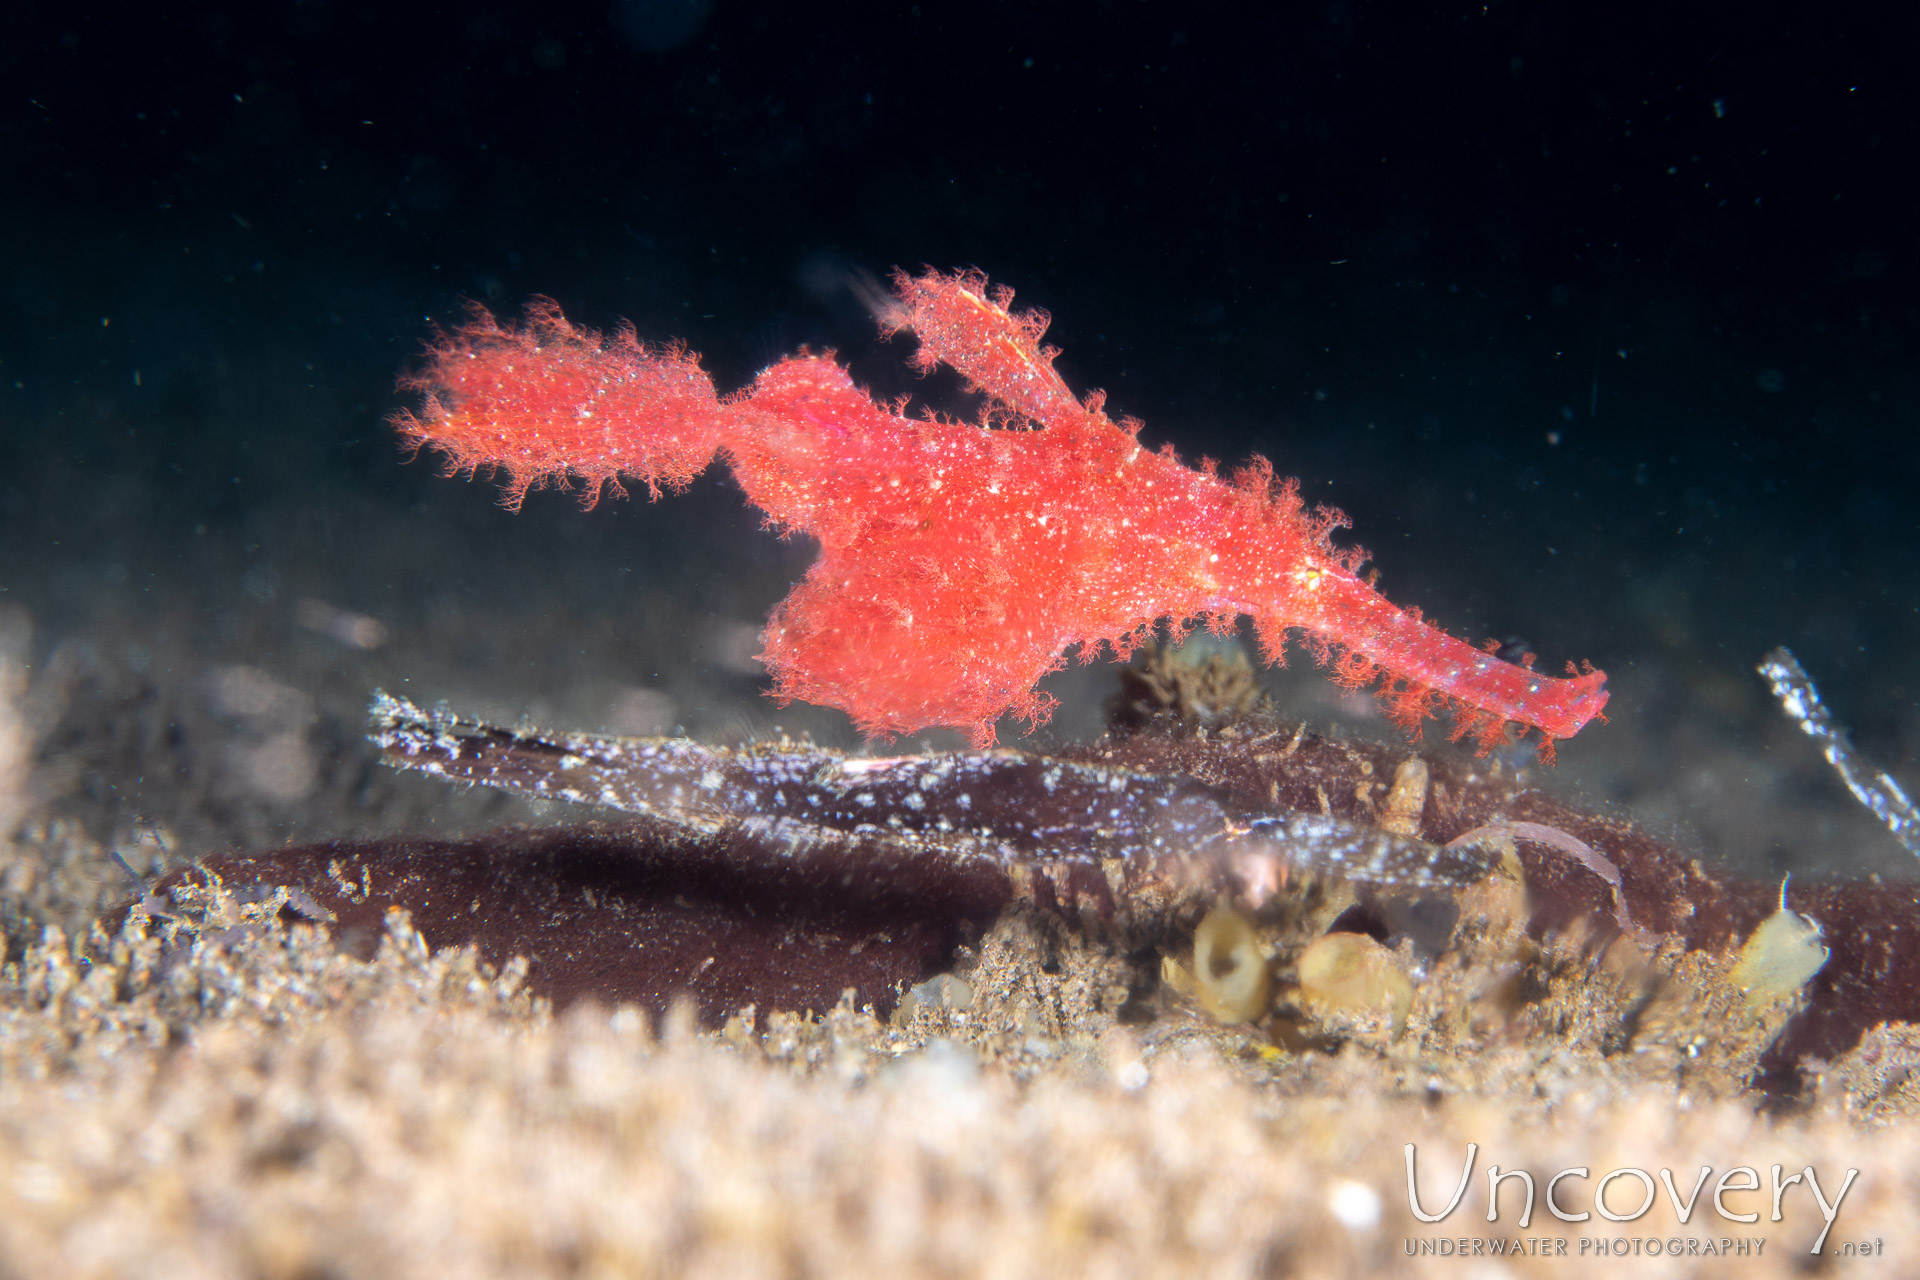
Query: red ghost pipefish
point(960, 560)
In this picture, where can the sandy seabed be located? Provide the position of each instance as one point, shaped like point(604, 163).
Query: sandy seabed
point(229, 1095)
point(255, 1103)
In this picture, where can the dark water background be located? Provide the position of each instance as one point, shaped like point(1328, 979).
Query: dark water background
point(1599, 321)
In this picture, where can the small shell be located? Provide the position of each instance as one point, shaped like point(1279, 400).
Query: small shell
point(1781, 956)
point(1230, 967)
